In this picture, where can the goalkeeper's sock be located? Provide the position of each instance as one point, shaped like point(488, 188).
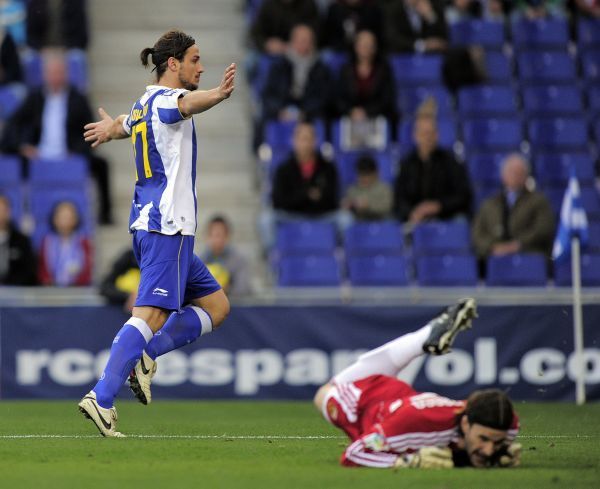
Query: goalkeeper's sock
point(126, 350)
point(181, 328)
point(388, 359)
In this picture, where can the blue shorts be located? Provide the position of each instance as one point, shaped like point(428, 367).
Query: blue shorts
point(171, 275)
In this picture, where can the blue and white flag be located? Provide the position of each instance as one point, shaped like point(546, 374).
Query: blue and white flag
point(573, 221)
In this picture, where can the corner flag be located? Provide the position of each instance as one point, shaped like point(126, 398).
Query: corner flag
point(573, 221)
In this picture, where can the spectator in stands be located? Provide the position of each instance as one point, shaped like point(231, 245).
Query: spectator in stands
point(61, 23)
point(10, 64)
point(517, 219)
point(275, 20)
point(460, 10)
point(65, 253)
point(538, 9)
point(17, 260)
point(366, 87)
point(495, 10)
point(369, 198)
point(346, 18)
point(225, 262)
point(588, 8)
point(305, 186)
point(415, 26)
point(48, 125)
point(120, 286)
point(431, 184)
point(299, 84)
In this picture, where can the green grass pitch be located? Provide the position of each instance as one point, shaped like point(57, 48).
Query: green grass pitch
point(261, 445)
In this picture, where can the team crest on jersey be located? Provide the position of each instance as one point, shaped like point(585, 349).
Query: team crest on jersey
point(332, 410)
point(375, 442)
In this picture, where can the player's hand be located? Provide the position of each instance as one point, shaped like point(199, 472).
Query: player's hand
point(510, 456)
point(99, 132)
point(228, 82)
point(427, 458)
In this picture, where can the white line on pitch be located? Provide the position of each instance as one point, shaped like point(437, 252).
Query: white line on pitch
point(250, 437)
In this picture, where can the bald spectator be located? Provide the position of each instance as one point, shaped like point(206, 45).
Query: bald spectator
point(517, 219)
point(49, 125)
point(431, 184)
point(276, 18)
point(299, 84)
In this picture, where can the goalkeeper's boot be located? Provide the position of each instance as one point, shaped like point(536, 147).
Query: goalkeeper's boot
point(447, 325)
point(104, 419)
point(140, 379)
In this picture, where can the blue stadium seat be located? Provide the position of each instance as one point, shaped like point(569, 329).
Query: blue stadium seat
point(258, 79)
point(552, 100)
point(447, 270)
point(540, 33)
point(594, 234)
point(410, 98)
point(309, 271)
point(346, 164)
point(590, 271)
point(593, 97)
point(497, 67)
point(78, 69)
point(279, 134)
point(485, 33)
point(485, 100)
point(589, 198)
point(373, 238)
point(72, 171)
point(379, 270)
point(526, 269)
point(43, 199)
point(335, 60)
point(588, 33)
point(31, 62)
point(10, 170)
point(446, 130)
point(546, 67)
point(297, 237)
point(554, 169)
point(484, 191)
point(441, 237)
point(558, 133)
point(484, 168)
point(417, 69)
point(11, 97)
point(590, 62)
point(492, 134)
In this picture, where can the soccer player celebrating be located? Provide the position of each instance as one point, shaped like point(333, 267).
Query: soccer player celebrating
point(163, 224)
point(392, 425)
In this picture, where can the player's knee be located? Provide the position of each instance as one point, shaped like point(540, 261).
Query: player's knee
point(320, 396)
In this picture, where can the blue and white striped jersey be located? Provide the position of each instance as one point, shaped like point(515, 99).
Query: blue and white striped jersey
point(164, 147)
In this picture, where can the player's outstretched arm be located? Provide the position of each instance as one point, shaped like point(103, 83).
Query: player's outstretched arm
point(104, 130)
point(201, 100)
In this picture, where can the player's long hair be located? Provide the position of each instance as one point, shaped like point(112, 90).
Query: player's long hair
point(491, 408)
point(172, 44)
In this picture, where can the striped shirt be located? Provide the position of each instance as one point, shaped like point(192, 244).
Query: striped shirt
point(164, 147)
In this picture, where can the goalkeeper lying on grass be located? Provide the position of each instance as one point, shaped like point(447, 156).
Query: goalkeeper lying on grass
point(392, 425)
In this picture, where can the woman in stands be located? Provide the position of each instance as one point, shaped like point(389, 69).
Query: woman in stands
point(65, 254)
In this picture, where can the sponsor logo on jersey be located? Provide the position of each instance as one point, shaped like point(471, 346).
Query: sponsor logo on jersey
point(159, 291)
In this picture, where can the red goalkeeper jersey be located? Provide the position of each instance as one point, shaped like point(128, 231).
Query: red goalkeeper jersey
point(386, 418)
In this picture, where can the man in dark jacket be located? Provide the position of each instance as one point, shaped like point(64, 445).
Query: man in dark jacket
point(298, 85)
point(431, 184)
point(17, 260)
point(49, 123)
point(305, 186)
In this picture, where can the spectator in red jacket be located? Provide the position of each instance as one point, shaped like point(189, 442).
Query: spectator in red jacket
point(65, 254)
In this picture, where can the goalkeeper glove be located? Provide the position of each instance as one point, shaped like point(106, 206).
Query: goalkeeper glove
point(510, 456)
point(426, 458)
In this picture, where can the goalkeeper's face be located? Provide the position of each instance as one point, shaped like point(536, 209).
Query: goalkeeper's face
point(482, 443)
